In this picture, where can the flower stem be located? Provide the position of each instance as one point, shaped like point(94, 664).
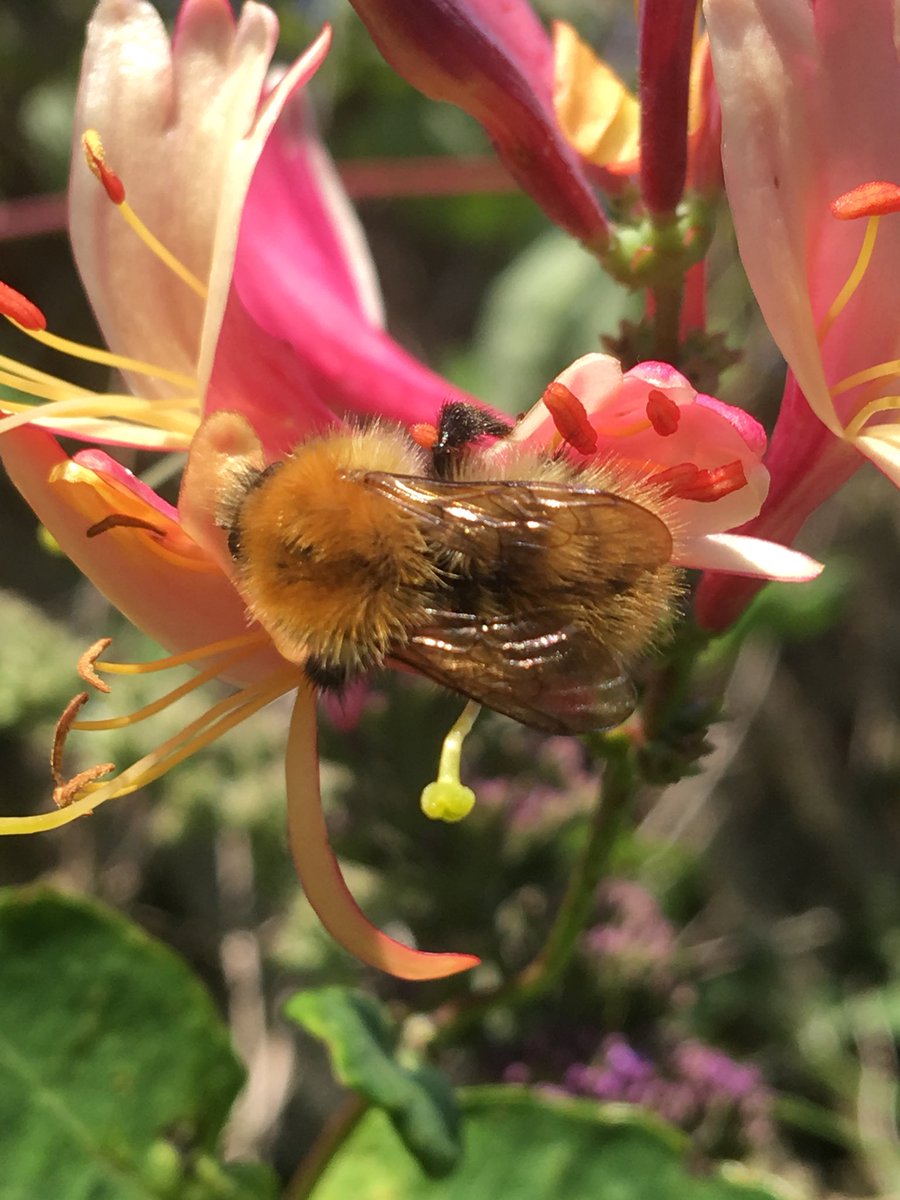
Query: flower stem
point(551, 961)
point(334, 1133)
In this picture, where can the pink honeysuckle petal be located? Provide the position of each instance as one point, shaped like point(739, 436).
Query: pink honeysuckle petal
point(750, 556)
point(810, 99)
point(762, 54)
point(297, 203)
point(321, 876)
point(166, 586)
point(496, 62)
point(708, 434)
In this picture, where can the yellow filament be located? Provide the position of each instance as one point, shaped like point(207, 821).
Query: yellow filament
point(853, 281)
point(176, 694)
point(106, 357)
point(157, 414)
point(20, 374)
point(882, 404)
point(152, 242)
point(447, 798)
point(206, 729)
point(881, 371)
point(251, 641)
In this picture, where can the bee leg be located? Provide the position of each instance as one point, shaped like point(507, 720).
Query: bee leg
point(459, 425)
point(328, 676)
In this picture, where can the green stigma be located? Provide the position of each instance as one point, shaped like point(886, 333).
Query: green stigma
point(447, 799)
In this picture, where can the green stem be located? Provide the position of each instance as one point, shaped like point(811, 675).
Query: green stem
point(551, 961)
point(334, 1133)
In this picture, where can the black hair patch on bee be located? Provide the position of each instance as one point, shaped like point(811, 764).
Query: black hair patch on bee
point(328, 677)
point(459, 425)
point(230, 521)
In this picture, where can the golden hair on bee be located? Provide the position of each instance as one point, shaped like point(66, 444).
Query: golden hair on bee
point(515, 578)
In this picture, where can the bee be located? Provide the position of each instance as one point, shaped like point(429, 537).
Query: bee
point(518, 579)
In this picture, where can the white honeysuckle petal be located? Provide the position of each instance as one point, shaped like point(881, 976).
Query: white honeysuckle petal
point(115, 433)
point(764, 54)
point(236, 181)
point(742, 555)
point(881, 443)
point(168, 119)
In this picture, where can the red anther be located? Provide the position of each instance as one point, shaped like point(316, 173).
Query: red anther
point(873, 199)
point(95, 157)
point(676, 477)
point(19, 309)
point(570, 418)
point(424, 435)
point(662, 413)
point(706, 484)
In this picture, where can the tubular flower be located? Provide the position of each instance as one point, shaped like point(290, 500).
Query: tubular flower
point(495, 61)
point(810, 100)
point(163, 282)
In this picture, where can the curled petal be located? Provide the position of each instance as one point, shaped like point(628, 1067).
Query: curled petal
point(320, 874)
point(741, 555)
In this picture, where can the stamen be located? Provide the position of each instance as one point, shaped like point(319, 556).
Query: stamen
point(87, 665)
point(881, 371)
point(882, 404)
point(447, 799)
point(873, 199)
point(853, 280)
point(20, 309)
point(122, 520)
point(157, 706)
point(115, 189)
point(570, 418)
point(250, 641)
point(177, 417)
point(66, 790)
point(217, 721)
point(662, 413)
point(685, 481)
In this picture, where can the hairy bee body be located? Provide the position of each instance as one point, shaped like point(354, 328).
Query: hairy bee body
point(520, 580)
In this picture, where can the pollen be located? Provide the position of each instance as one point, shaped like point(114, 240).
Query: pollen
point(95, 156)
point(424, 435)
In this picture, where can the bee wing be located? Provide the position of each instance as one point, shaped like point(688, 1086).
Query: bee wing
point(475, 518)
point(556, 680)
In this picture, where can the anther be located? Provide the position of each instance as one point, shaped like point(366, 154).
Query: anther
point(662, 413)
point(570, 418)
point(705, 485)
point(87, 665)
point(120, 521)
point(20, 309)
point(68, 790)
point(95, 156)
point(873, 199)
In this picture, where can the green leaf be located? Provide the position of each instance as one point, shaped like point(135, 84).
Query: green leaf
point(116, 1073)
point(362, 1042)
point(522, 1146)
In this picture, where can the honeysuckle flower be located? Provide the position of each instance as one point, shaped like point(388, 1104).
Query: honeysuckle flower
point(810, 100)
point(185, 126)
point(495, 61)
point(707, 454)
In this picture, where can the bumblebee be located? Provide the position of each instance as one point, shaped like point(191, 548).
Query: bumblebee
point(517, 579)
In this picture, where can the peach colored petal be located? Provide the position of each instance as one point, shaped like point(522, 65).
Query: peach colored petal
point(165, 585)
point(320, 874)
